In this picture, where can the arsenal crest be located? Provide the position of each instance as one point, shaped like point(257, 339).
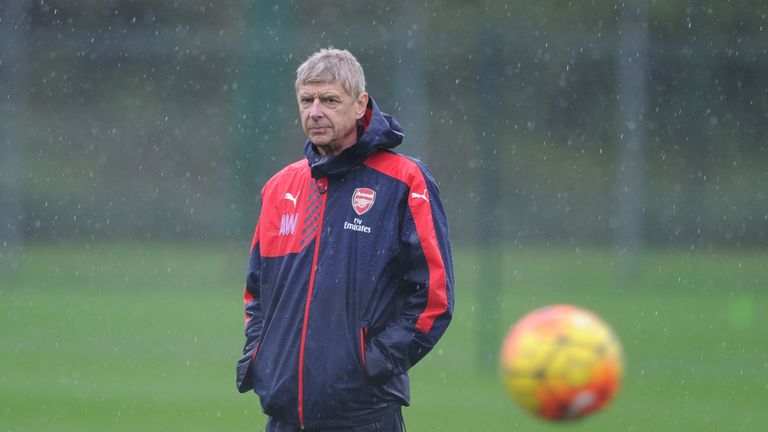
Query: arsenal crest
point(363, 199)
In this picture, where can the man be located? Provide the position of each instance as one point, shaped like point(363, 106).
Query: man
point(350, 280)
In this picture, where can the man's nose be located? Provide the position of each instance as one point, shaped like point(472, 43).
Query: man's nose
point(315, 110)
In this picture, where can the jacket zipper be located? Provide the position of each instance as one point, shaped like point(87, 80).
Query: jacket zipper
point(322, 186)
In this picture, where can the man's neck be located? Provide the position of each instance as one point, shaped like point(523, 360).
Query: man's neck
point(331, 150)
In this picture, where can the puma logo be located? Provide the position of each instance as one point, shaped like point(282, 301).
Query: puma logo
point(291, 198)
point(422, 196)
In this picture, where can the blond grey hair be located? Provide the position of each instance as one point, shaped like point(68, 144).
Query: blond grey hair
point(332, 65)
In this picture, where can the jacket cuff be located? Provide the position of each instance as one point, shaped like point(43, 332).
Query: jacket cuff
point(244, 374)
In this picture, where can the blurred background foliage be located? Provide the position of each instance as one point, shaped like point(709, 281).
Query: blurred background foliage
point(161, 120)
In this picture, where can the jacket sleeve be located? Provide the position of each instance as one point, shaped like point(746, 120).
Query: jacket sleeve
point(254, 318)
point(427, 277)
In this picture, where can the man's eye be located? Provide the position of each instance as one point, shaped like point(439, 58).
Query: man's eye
point(330, 101)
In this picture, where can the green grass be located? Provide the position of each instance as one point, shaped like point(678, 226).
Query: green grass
point(145, 337)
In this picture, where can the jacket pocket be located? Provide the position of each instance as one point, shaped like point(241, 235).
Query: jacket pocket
point(362, 335)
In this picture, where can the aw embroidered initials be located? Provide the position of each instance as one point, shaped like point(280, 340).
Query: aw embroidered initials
point(288, 224)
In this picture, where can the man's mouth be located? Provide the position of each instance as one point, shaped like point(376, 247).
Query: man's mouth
point(318, 129)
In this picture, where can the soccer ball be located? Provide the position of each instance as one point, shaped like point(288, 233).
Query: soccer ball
point(561, 362)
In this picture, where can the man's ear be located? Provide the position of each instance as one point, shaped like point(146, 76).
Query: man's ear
point(361, 104)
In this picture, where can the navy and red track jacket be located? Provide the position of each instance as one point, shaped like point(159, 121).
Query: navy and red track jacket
point(350, 282)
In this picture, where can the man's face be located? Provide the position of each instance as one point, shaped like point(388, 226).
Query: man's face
point(329, 116)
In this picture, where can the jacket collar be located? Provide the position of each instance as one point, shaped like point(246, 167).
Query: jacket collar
point(376, 130)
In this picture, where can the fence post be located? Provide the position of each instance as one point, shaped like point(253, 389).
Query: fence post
point(632, 69)
point(12, 135)
point(490, 193)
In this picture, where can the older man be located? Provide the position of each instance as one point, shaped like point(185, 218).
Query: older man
point(350, 280)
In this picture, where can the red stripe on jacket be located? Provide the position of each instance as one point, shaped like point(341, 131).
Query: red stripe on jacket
point(247, 298)
point(407, 171)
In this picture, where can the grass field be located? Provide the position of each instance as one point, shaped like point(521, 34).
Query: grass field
point(145, 337)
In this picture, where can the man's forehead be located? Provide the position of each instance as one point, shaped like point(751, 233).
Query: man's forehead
point(321, 88)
